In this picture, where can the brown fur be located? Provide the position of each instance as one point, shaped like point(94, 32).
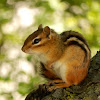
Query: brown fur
point(69, 49)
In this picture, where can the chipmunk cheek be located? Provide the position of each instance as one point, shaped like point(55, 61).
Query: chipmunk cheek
point(29, 51)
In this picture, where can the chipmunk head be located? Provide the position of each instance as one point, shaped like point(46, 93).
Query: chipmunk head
point(39, 41)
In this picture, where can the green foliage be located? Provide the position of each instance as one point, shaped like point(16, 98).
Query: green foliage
point(17, 68)
point(29, 58)
point(5, 78)
point(28, 86)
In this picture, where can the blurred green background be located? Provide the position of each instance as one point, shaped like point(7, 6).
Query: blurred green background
point(19, 18)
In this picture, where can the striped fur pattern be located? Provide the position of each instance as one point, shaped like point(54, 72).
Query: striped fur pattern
point(75, 38)
point(64, 58)
point(72, 38)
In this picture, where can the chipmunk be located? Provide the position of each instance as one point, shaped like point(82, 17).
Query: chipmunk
point(64, 58)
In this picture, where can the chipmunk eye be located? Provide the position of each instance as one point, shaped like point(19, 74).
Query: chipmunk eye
point(36, 41)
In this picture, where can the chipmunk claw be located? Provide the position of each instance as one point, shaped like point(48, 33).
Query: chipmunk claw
point(46, 87)
point(51, 88)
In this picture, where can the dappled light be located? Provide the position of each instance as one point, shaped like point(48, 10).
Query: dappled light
point(18, 19)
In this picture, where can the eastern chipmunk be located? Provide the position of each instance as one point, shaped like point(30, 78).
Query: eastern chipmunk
point(65, 57)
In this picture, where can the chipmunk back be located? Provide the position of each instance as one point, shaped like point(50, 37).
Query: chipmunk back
point(64, 58)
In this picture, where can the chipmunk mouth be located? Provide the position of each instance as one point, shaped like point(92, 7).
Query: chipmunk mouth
point(24, 49)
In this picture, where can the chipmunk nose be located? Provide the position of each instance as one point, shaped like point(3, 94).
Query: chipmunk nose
point(23, 49)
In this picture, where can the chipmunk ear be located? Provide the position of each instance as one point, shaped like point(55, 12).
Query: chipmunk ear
point(46, 30)
point(40, 27)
